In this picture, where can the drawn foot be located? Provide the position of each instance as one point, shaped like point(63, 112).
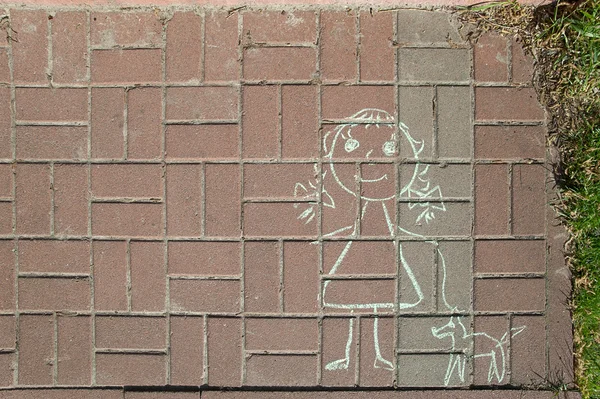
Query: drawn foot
point(341, 364)
point(381, 363)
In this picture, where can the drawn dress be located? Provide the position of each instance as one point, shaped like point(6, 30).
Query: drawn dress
point(418, 186)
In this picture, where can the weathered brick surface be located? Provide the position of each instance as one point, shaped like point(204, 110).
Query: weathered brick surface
point(30, 59)
point(54, 256)
point(74, 350)
point(144, 130)
point(339, 46)
point(499, 103)
point(187, 339)
point(124, 332)
point(261, 276)
point(184, 47)
point(492, 207)
point(186, 201)
point(110, 29)
point(491, 58)
point(134, 369)
point(71, 198)
point(510, 142)
point(221, 60)
point(377, 53)
point(107, 122)
point(7, 275)
point(51, 105)
point(126, 66)
point(60, 143)
point(69, 47)
point(202, 103)
point(36, 350)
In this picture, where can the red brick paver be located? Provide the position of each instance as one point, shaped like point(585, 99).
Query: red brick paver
point(273, 199)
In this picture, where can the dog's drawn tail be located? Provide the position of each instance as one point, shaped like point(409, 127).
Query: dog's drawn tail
point(513, 332)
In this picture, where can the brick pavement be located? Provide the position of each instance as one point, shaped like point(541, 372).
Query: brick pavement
point(279, 198)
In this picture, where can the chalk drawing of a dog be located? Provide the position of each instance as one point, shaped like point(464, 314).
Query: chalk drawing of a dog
point(497, 349)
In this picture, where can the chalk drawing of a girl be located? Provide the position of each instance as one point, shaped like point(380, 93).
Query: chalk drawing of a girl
point(371, 134)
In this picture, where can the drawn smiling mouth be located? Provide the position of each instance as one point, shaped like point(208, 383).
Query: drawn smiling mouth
point(384, 177)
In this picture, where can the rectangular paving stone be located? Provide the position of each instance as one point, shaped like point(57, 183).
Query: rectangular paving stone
point(205, 296)
point(338, 46)
point(127, 219)
point(110, 29)
point(510, 256)
point(280, 27)
point(71, 196)
point(204, 258)
point(422, 65)
point(69, 47)
point(135, 66)
point(507, 103)
point(260, 121)
point(425, 27)
point(66, 104)
point(185, 205)
point(224, 351)
point(454, 276)
point(272, 334)
point(8, 331)
point(147, 276)
point(424, 370)
point(36, 350)
point(510, 142)
point(377, 54)
point(262, 276)
point(279, 63)
point(201, 142)
point(186, 339)
point(202, 103)
point(110, 275)
point(61, 142)
point(492, 207)
point(30, 52)
point(130, 368)
point(299, 122)
point(54, 294)
point(33, 198)
point(108, 122)
point(184, 47)
point(54, 256)
point(525, 294)
point(221, 39)
point(300, 277)
point(144, 130)
point(281, 370)
point(124, 332)
point(74, 350)
point(528, 199)
point(5, 124)
point(453, 122)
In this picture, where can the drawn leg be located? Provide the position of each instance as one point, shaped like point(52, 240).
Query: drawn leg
point(342, 364)
point(380, 362)
point(413, 281)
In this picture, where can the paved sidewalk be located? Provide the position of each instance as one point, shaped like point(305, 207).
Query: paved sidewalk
point(274, 199)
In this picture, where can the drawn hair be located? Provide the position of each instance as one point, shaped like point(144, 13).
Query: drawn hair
point(367, 117)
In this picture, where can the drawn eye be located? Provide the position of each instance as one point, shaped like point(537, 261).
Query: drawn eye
point(389, 148)
point(351, 145)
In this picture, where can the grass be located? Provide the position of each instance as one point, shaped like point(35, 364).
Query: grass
point(565, 40)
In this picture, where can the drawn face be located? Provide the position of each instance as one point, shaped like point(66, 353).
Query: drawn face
point(367, 142)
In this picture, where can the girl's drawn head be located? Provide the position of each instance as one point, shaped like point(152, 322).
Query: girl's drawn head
point(369, 135)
